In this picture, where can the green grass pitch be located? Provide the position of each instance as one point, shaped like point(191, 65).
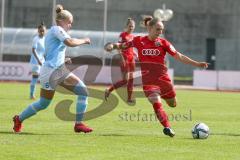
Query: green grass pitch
point(128, 132)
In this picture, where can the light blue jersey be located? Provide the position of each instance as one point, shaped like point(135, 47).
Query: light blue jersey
point(55, 47)
point(38, 45)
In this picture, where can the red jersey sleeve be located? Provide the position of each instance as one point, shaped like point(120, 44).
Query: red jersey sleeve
point(170, 48)
point(133, 43)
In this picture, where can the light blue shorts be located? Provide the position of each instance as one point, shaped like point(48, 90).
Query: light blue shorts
point(35, 69)
point(50, 77)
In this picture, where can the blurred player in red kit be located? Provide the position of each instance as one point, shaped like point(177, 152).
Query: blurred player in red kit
point(151, 53)
point(127, 63)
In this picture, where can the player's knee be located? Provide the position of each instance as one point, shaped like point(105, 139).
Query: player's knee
point(35, 75)
point(42, 104)
point(172, 103)
point(125, 76)
point(154, 98)
point(81, 89)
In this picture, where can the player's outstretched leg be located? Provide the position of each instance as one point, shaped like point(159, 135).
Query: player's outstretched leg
point(80, 110)
point(114, 86)
point(33, 86)
point(130, 91)
point(172, 102)
point(31, 110)
point(163, 119)
point(81, 106)
point(155, 99)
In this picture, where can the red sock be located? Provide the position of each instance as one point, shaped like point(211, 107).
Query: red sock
point(161, 114)
point(130, 88)
point(117, 85)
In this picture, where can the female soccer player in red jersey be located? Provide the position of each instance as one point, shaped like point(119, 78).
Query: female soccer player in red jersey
point(127, 63)
point(156, 83)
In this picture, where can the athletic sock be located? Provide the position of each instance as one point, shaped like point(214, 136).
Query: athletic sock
point(82, 100)
point(33, 108)
point(81, 107)
point(117, 85)
point(130, 88)
point(161, 114)
point(33, 86)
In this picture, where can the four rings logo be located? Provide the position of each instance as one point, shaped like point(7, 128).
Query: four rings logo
point(11, 71)
point(150, 52)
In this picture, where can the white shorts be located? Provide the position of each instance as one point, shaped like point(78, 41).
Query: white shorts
point(35, 69)
point(50, 77)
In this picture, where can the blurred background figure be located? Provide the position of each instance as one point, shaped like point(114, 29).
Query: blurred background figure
point(127, 63)
point(37, 57)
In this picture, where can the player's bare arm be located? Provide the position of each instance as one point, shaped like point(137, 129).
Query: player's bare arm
point(185, 59)
point(112, 46)
point(73, 42)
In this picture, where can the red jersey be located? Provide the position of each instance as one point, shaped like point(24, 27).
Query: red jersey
point(151, 54)
point(127, 53)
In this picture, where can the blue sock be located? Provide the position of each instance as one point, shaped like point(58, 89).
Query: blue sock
point(81, 106)
point(33, 86)
point(33, 108)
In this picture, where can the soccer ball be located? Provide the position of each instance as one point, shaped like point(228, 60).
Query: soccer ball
point(200, 131)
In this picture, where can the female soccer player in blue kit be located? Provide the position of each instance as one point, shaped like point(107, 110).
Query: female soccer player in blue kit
point(56, 41)
point(37, 57)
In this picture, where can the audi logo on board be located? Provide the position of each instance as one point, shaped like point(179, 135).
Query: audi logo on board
point(150, 52)
point(11, 71)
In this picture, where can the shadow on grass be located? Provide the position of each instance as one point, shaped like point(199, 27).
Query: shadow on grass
point(113, 135)
point(129, 135)
point(218, 134)
point(83, 134)
point(90, 134)
point(225, 134)
point(30, 133)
